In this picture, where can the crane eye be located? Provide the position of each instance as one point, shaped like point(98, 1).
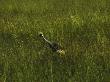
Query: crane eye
point(40, 34)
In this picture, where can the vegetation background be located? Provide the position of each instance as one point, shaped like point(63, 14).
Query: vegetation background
point(82, 27)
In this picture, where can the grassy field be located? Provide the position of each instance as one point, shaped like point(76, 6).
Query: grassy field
point(82, 27)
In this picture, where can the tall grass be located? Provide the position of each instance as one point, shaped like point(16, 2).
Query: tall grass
point(82, 27)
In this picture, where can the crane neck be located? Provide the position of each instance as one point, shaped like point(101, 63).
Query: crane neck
point(47, 40)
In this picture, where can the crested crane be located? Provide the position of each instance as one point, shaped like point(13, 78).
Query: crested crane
point(54, 46)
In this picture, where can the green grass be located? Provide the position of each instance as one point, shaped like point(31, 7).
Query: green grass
point(82, 27)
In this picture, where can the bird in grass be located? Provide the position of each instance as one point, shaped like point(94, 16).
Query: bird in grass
point(55, 47)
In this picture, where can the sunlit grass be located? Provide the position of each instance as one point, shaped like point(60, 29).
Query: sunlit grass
point(81, 27)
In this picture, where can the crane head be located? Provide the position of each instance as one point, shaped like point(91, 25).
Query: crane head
point(41, 34)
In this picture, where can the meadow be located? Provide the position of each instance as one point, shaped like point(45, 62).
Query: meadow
point(82, 27)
